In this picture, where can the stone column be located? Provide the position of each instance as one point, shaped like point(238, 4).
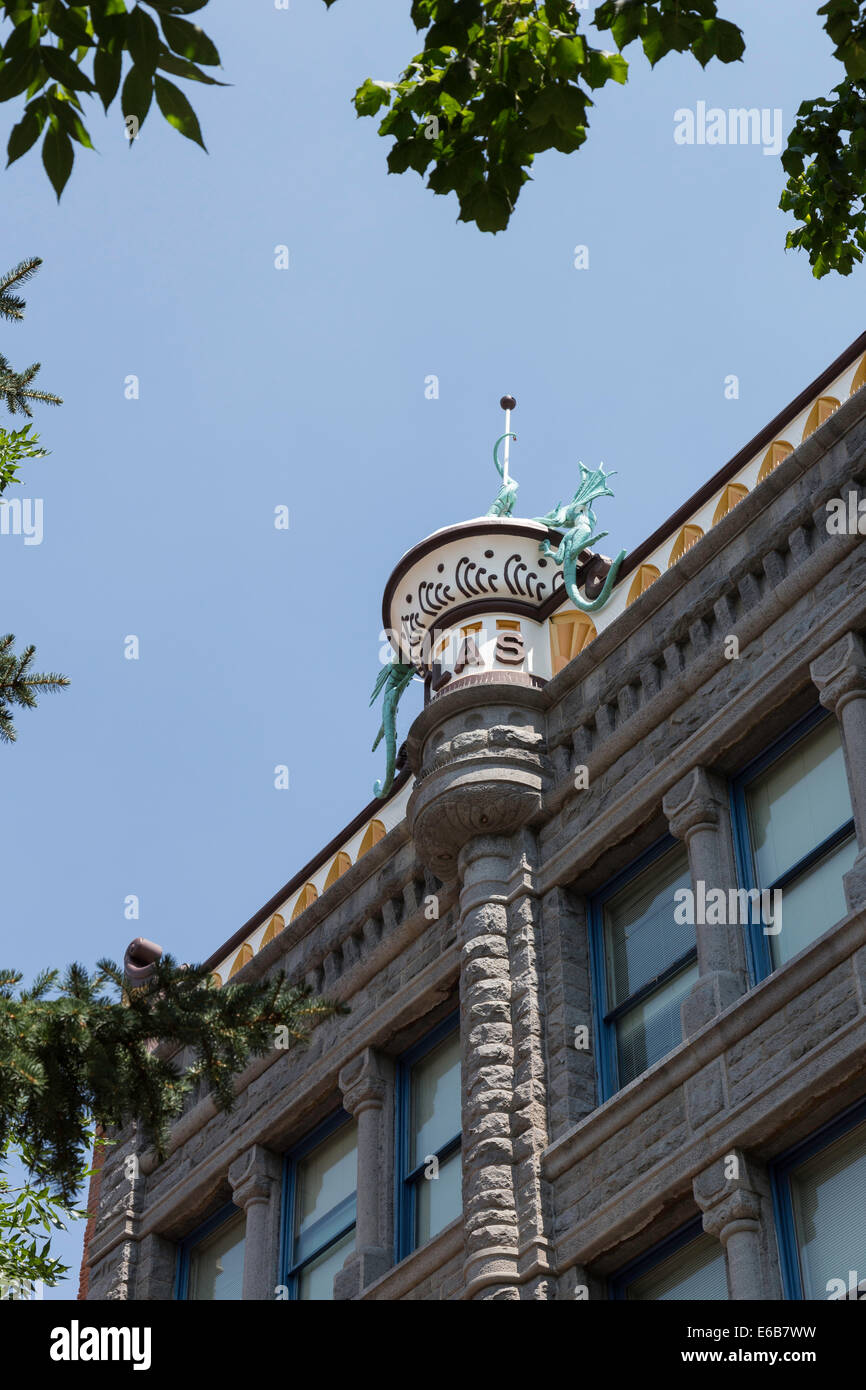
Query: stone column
point(697, 810)
point(367, 1086)
point(840, 675)
point(255, 1180)
point(481, 764)
point(490, 1217)
point(739, 1214)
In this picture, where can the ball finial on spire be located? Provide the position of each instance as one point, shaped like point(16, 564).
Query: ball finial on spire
point(508, 403)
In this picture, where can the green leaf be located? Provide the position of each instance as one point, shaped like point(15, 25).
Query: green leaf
point(371, 95)
point(568, 56)
point(25, 134)
point(72, 123)
point(604, 66)
point(17, 74)
point(189, 41)
point(143, 40)
point(487, 207)
point(569, 107)
point(854, 58)
point(107, 65)
point(62, 68)
point(177, 110)
point(730, 44)
point(179, 67)
point(23, 37)
point(57, 156)
point(137, 94)
point(627, 24)
point(71, 26)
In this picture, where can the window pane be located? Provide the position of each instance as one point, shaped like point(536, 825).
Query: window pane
point(641, 937)
point(814, 902)
point(830, 1213)
point(438, 1200)
point(652, 1028)
point(326, 1177)
point(216, 1264)
point(696, 1271)
point(797, 803)
point(316, 1280)
point(435, 1100)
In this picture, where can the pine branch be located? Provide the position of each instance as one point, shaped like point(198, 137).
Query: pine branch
point(72, 1054)
point(11, 306)
point(15, 388)
point(18, 684)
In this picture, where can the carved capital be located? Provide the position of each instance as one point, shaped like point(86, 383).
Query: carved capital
point(253, 1175)
point(840, 672)
point(697, 801)
point(729, 1204)
point(481, 767)
point(739, 1211)
point(362, 1083)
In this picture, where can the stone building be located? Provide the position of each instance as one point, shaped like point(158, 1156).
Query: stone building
point(603, 943)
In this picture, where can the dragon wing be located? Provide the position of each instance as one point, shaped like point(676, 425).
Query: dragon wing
point(381, 682)
point(593, 483)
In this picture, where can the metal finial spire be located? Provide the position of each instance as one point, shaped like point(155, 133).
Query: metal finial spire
point(507, 496)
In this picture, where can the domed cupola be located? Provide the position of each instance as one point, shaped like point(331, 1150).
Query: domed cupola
point(471, 603)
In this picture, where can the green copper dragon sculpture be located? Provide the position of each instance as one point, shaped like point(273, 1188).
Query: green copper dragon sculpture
point(578, 520)
point(507, 495)
point(393, 679)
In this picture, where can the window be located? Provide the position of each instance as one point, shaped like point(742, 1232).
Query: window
point(820, 1214)
point(320, 1193)
point(430, 1190)
point(795, 836)
point(211, 1263)
point(689, 1265)
point(644, 965)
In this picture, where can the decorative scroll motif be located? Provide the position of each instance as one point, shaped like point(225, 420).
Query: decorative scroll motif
point(579, 522)
point(518, 583)
point(432, 597)
point(472, 579)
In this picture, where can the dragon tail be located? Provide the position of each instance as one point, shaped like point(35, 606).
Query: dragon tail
point(389, 729)
point(570, 576)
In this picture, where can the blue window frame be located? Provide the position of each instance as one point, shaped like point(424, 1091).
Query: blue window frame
point(428, 1141)
point(820, 1214)
point(643, 964)
point(687, 1265)
point(210, 1263)
point(794, 833)
point(320, 1181)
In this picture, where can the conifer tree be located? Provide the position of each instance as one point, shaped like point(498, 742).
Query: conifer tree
point(80, 1049)
point(18, 684)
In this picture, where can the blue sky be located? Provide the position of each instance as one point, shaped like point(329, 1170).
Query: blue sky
point(306, 388)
